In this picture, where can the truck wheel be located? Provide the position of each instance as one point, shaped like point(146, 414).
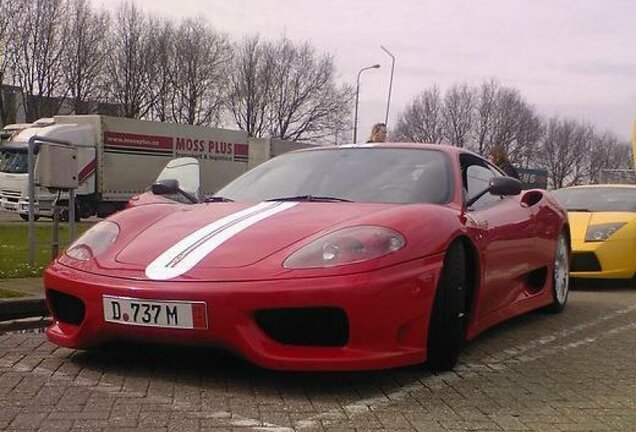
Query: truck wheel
point(64, 214)
point(85, 210)
point(447, 325)
point(25, 217)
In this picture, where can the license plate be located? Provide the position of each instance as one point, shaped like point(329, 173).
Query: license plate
point(153, 313)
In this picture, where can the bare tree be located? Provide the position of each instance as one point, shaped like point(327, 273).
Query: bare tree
point(564, 151)
point(459, 114)
point(423, 119)
point(531, 130)
point(85, 54)
point(505, 119)
point(607, 152)
point(161, 89)
point(339, 131)
point(130, 61)
point(251, 81)
point(10, 12)
point(39, 48)
point(305, 98)
point(599, 155)
point(510, 109)
point(620, 156)
point(201, 60)
point(485, 114)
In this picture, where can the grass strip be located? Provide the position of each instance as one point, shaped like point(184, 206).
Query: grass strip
point(14, 247)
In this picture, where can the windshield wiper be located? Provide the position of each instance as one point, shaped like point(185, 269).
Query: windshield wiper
point(310, 198)
point(578, 209)
point(213, 198)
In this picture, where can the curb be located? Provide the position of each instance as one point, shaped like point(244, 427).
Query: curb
point(26, 325)
point(25, 307)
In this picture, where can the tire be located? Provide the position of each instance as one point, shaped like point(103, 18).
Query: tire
point(85, 210)
point(64, 214)
point(560, 275)
point(447, 326)
point(25, 217)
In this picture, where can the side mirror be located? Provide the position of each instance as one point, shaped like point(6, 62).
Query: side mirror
point(165, 187)
point(186, 170)
point(504, 186)
point(171, 187)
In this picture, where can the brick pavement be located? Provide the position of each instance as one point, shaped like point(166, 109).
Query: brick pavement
point(570, 372)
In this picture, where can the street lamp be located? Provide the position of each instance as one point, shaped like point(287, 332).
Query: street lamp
point(355, 120)
point(388, 101)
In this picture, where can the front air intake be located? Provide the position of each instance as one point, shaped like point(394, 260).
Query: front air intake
point(66, 308)
point(585, 262)
point(310, 326)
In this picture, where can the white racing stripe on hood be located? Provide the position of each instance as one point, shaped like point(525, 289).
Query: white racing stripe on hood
point(188, 252)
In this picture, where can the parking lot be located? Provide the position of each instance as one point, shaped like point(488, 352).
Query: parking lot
point(540, 372)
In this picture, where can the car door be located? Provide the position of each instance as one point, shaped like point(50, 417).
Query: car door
point(505, 231)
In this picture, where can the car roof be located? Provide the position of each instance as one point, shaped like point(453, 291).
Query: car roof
point(605, 185)
point(451, 150)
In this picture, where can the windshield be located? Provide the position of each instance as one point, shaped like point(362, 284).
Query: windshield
point(598, 199)
point(13, 160)
point(378, 175)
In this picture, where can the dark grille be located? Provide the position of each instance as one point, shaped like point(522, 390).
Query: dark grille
point(66, 308)
point(314, 326)
point(585, 262)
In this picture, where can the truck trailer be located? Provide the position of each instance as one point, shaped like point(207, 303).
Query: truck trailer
point(118, 158)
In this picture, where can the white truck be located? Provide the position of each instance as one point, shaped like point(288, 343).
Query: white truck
point(118, 158)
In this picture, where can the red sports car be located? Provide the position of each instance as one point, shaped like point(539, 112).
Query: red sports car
point(334, 258)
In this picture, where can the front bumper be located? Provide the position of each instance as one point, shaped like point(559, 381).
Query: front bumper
point(42, 207)
point(611, 259)
point(21, 207)
point(387, 312)
point(8, 206)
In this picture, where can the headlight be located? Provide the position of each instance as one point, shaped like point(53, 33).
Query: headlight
point(346, 246)
point(94, 241)
point(600, 232)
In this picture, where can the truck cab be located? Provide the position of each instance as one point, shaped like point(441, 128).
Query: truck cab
point(14, 177)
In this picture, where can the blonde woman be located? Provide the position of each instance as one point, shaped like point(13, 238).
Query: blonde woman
point(378, 133)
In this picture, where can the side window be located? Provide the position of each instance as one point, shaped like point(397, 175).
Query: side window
point(477, 179)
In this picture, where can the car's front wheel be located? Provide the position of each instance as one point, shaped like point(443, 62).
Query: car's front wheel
point(447, 327)
point(560, 275)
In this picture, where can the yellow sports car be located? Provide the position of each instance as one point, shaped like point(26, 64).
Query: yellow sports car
point(603, 229)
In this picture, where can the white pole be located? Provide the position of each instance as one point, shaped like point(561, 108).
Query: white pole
point(388, 101)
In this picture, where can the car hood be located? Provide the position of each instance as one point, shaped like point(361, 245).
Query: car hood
point(229, 235)
point(580, 221)
point(224, 241)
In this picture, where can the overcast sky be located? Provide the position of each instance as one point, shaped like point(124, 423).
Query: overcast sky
point(575, 58)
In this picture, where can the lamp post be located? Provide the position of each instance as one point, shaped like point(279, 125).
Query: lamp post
point(355, 119)
point(388, 101)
